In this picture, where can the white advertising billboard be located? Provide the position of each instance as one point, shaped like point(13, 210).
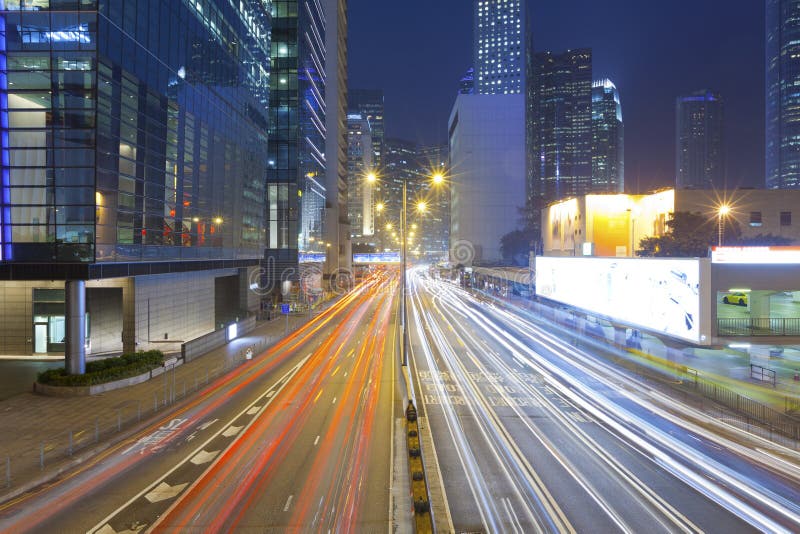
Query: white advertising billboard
point(660, 295)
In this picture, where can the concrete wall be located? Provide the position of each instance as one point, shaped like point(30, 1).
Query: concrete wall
point(104, 306)
point(487, 182)
point(174, 308)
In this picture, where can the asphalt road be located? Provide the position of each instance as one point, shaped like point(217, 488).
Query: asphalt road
point(301, 438)
point(533, 434)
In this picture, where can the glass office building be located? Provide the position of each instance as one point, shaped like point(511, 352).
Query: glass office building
point(296, 174)
point(134, 144)
point(699, 142)
point(561, 111)
point(608, 139)
point(782, 96)
point(133, 130)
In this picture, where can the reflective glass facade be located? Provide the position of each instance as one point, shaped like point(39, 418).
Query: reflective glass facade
point(561, 111)
point(296, 174)
point(608, 139)
point(133, 130)
point(782, 96)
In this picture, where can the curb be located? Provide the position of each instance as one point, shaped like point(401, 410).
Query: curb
point(419, 482)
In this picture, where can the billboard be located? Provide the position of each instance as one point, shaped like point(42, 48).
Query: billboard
point(380, 257)
point(661, 295)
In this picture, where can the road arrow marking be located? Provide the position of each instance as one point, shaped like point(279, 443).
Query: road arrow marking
point(164, 491)
point(206, 425)
point(203, 457)
point(232, 431)
point(108, 529)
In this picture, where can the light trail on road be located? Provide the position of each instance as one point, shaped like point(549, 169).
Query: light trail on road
point(468, 341)
point(52, 506)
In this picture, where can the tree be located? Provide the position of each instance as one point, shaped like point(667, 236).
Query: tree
point(688, 235)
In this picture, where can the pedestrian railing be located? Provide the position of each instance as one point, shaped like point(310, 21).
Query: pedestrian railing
point(755, 326)
point(176, 384)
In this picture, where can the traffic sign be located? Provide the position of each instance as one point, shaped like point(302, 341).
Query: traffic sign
point(285, 309)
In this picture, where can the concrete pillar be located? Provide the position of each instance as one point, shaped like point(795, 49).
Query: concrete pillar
point(759, 304)
point(75, 327)
point(129, 316)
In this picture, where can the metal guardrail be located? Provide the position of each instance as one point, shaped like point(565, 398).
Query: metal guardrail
point(754, 326)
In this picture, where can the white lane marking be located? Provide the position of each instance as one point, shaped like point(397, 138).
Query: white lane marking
point(107, 529)
point(345, 374)
point(232, 431)
point(208, 424)
point(316, 440)
point(253, 410)
point(270, 394)
point(203, 457)
point(288, 503)
point(164, 491)
point(334, 400)
point(283, 381)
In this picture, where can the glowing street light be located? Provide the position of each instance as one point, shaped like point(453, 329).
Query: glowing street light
point(722, 212)
point(372, 178)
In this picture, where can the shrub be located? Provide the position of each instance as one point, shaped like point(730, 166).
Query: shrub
point(107, 370)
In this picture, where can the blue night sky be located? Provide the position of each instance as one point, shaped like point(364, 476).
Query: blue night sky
point(417, 51)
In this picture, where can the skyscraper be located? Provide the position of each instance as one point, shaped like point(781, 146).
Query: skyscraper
point(369, 104)
point(360, 203)
point(608, 139)
point(134, 164)
point(782, 98)
point(337, 227)
point(297, 176)
point(500, 41)
point(560, 133)
point(699, 149)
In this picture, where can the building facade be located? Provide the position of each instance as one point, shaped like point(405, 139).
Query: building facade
point(134, 155)
point(369, 104)
point(297, 167)
point(782, 98)
point(360, 191)
point(699, 146)
point(436, 230)
point(500, 43)
point(337, 227)
point(487, 174)
point(608, 139)
point(560, 146)
point(614, 225)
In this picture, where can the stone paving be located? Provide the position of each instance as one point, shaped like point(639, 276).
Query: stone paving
point(41, 436)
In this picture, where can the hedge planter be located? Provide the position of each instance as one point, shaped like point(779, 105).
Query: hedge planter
point(102, 375)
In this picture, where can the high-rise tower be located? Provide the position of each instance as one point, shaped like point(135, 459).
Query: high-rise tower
point(500, 35)
point(561, 111)
point(369, 104)
point(608, 140)
point(699, 149)
point(783, 99)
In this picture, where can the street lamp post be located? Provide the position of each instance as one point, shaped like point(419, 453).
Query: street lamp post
point(404, 330)
point(722, 212)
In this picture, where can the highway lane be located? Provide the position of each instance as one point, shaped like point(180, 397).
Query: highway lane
point(131, 485)
point(321, 461)
point(545, 440)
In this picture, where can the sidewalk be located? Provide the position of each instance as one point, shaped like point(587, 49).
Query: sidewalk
point(44, 436)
